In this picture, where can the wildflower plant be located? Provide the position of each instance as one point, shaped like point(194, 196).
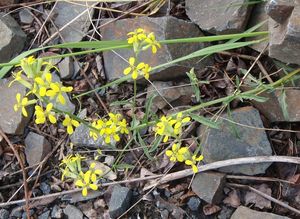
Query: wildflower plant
point(71, 167)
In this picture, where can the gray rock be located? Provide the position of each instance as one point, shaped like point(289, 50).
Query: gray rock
point(24, 215)
point(72, 212)
point(56, 212)
point(166, 91)
point(68, 11)
point(209, 186)
point(257, 16)
point(46, 189)
point(194, 203)
point(66, 68)
point(163, 28)
point(12, 122)
point(119, 201)
point(4, 214)
point(25, 16)
point(45, 215)
point(272, 110)
point(12, 37)
point(280, 10)
point(236, 141)
point(285, 38)
point(37, 147)
point(225, 213)
point(69, 106)
point(219, 16)
point(247, 213)
point(81, 137)
point(16, 212)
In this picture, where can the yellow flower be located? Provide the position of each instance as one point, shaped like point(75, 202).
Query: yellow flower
point(85, 182)
point(69, 123)
point(193, 161)
point(72, 166)
point(43, 83)
point(173, 153)
point(164, 127)
point(136, 36)
point(41, 115)
point(56, 90)
point(20, 78)
point(180, 122)
point(152, 42)
point(133, 69)
point(96, 125)
point(95, 173)
point(123, 127)
point(23, 104)
point(145, 71)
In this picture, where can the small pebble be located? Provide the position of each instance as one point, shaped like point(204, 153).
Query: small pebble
point(194, 203)
point(4, 214)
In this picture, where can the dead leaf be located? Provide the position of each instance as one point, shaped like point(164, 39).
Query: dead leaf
point(210, 209)
point(232, 199)
point(257, 200)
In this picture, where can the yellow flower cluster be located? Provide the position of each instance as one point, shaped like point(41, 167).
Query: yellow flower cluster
point(85, 180)
point(35, 74)
point(110, 129)
point(141, 42)
point(183, 154)
point(170, 127)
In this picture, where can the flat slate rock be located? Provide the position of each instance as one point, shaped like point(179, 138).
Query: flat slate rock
point(280, 10)
point(209, 186)
point(12, 37)
point(119, 201)
point(285, 38)
point(219, 16)
point(236, 141)
point(247, 213)
point(164, 28)
point(272, 110)
point(68, 11)
point(37, 147)
point(12, 122)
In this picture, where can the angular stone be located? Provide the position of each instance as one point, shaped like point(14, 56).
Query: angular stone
point(280, 10)
point(164, 28)
point(219, 16)
point(68, 11)
point(119, 201)
point(25, 16)
point(209, 186)
point(66, 68)
point(4, 214)
point(247, 213)
point(44, 215)
point(37, 147)
point(72, 212)
point(272, 110)
point(12, 37)
point(285, 38)
point(81, 138)
point(166, 91)
point(194, 203)
point(56, 212)
point(12, 122)
point(257, 16)
point(236, 141)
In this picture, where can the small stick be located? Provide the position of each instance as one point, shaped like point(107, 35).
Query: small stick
point(270, 198)
point(26, 191)
point(258, 178)
point(179, 174)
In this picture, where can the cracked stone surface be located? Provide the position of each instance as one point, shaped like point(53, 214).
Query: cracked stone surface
point(219, 16)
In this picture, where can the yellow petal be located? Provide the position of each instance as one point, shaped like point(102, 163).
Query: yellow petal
point(169, 153)
point(195, 168)
point(93, 186)
point(127, 71)
point(52, 119)
point(79, 183)
point(131, 61)
point(84, 192)
point(70, 130)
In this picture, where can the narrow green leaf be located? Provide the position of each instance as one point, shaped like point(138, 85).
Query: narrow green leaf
point(204, 121)
point(144, 146)
point(254, 97)
point(283, 104)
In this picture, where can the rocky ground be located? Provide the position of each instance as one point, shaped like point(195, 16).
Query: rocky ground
point(265, 190)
